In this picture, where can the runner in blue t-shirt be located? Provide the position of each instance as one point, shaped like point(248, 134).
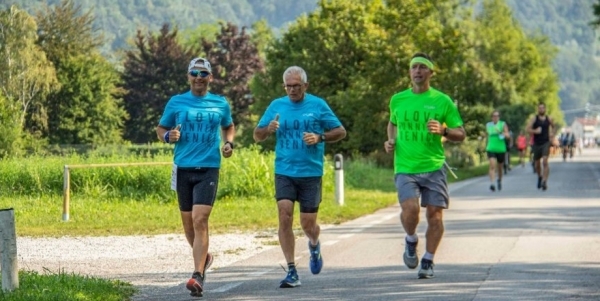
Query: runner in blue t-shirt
point(194, 122)
point(302, 123)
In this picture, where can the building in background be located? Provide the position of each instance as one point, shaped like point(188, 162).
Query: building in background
point(587, 131)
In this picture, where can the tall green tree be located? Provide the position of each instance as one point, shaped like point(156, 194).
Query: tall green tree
point(153, 72)
point(90, 113)
point(235, 59)
point(88, 107)
point(26, 76)
point(518, 65)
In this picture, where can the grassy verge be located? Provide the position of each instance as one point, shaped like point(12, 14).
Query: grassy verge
point(67, 287)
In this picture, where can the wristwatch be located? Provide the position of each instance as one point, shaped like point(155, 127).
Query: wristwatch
point(323, 137)
point(230, 144)
point(445, 132)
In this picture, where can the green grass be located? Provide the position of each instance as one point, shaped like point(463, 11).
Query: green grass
point(67, 287)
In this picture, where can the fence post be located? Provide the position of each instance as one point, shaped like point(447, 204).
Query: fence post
point(338, 160)
point(8, 248)
point(66, 193)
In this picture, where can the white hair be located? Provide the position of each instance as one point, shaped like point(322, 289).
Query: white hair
point(295, 70)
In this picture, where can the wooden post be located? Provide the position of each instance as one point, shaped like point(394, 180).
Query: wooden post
point(8, 247)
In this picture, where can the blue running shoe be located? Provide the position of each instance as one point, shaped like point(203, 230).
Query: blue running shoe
point(316, 261)
point(411, 258)
point(291, 280)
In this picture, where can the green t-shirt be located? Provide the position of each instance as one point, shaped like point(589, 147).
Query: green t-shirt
point(417, 150)
point(495, 137)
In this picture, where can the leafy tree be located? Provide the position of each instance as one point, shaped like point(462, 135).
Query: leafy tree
point(262, 36)
point(10, 140)
point(25, 74)
point(153, 72)
point(65, 30)
point(190, 38)
point(520, 65)
point(87, 109)
point(363, 51)
point(235, 60)
point(87, 112)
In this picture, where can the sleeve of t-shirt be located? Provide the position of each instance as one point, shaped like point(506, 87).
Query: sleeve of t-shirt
point(328, 118)
point(267, 116)
point(168, 118)
point(453, 119)
point(227, 119)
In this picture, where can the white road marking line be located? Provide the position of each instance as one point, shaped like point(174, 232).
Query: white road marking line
point(260, 273)
point(226, 287)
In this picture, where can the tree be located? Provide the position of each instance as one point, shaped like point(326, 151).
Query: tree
point(153, 72)
point(10, 140)
point(64, 30)
point(26, 76)
point(234, 59)
point(87, 109)
point(518, 65)
point(596, 7)
point(361, 58)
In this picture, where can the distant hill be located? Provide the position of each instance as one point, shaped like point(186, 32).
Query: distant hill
point(119, 20)
point(565, 22)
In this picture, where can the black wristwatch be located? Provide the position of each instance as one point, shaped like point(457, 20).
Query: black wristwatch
point(445, 132)
point(230, 144)
point(323, 137)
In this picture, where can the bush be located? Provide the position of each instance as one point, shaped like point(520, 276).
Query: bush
point(248, 173)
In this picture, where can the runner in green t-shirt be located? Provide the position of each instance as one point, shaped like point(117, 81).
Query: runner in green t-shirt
point(414, 131)
point(496, 133)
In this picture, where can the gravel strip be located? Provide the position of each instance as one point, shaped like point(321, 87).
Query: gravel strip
point(128, 257)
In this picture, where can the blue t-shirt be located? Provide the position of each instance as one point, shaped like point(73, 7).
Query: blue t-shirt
point(293, 157)
point(201, 119)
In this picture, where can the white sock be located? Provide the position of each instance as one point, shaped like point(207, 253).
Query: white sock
point(428, 256)
point(412, 238)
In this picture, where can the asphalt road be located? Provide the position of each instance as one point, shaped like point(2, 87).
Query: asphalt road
point(517, 244)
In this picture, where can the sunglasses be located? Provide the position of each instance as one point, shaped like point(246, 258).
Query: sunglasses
point(196, 73)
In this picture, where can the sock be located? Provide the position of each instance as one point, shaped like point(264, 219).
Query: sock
point(428, 256)
point(412, 238)
point(291, 266)
point(310, 245)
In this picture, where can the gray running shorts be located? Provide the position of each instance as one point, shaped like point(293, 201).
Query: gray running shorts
point(431, 187)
